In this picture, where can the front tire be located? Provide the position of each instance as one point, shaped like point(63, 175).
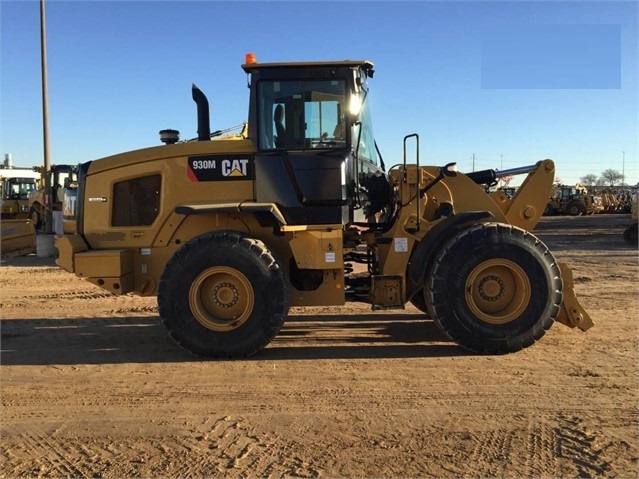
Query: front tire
point(494, 289)
point(223, 295)
point(549, 210)
point(419, 301)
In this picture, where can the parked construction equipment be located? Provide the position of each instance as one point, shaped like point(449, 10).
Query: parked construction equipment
point(16, 184)
point(230, 233)
point(59, 177)
point(572, 200)
point(615, 200)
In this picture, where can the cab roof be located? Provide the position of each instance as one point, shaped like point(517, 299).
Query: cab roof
point(364, 64)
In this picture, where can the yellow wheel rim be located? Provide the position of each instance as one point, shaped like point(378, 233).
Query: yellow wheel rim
point(498, 291)
point(221, 298)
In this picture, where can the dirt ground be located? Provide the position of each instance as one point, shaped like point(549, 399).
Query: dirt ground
point(93, 387)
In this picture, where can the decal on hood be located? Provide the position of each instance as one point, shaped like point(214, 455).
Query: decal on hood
point(220, 168)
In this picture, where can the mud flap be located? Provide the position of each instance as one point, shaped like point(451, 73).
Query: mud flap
point(572, 313)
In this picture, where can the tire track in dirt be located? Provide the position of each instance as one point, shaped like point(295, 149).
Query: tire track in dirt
point(580, 447)
point(227, 452)
point(213, 450)
point(49, 457)
point(541, 443)
point(492, 447)
point(229, 446)
point(568, 440)
point(62, 295)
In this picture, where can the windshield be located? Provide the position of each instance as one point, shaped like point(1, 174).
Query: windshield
point(64, 178)
point(302, 114)
point(20, 189)
point(366, 148)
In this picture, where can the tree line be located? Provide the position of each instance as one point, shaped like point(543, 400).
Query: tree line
point(607, 177)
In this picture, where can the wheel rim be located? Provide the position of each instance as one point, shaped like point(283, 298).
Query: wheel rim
point(221, 298)
point(498, 291)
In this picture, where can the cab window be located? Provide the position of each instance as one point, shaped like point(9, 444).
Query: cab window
point(301, 114)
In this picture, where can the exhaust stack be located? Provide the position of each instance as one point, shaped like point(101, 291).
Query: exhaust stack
point(203, 126)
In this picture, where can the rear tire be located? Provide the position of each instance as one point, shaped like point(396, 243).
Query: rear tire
point(576, 208)
point(223, 295)
point(36, 218)
point(494, 289)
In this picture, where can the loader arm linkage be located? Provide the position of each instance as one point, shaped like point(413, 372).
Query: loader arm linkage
point(524, 210)
point(526, 207)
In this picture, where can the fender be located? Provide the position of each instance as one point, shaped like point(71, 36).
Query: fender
point(426, 248)
point(247, 207)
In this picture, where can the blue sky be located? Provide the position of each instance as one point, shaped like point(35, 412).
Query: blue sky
point(506, 82)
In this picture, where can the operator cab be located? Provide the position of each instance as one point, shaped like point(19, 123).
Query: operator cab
point(19, 188)
point(316, 155)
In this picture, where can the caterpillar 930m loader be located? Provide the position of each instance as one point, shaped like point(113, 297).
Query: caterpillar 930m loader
point(231, 232)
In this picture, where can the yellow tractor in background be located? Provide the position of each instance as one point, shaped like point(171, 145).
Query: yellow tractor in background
point(616, 199)
point(17, 234)
point(301, 210)
point(610, 202)
point(15, 196)
point(16, 184)
point(60, 177)
point(572, 200)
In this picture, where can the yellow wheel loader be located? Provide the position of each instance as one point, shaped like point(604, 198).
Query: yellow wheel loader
point(16, 184)
point(572, 200)
point(301, 210)
point(60, 177)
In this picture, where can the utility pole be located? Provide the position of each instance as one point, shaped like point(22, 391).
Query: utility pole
point(473, 161)
point(623, 168)
point(48, 217)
